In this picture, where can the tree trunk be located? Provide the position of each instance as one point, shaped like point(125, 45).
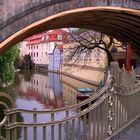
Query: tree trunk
point(109, 56)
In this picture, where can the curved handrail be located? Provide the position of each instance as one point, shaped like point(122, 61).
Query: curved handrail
point(82, 113)
point(75, 106)
point(5, 95)
point(12, 104)
point(2, 138)
point(106, 97)
point(5, 117)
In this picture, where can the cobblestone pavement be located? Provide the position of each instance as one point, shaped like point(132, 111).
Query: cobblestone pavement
point(132, 132)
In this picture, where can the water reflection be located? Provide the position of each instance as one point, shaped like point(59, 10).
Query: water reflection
point(43, 91)
point(40, 91)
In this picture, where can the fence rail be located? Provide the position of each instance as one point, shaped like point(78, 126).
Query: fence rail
point(100, 117)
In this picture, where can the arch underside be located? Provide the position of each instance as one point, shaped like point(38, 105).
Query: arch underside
point(121, 23)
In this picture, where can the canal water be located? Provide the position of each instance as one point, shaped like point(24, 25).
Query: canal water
point(35, 90)
point(43, 91)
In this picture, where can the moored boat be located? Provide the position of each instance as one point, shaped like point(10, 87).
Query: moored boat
point(83, 93)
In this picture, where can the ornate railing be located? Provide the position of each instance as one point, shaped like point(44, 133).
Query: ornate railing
point(125, 105)
point(100, 117)
point(77, 121)
point(125, 81)
point(125, 110)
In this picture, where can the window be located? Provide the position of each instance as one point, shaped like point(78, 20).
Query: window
point(47, 37)
point(59, 37)
point(37, 54)
point(43, 38)
point(37, 47)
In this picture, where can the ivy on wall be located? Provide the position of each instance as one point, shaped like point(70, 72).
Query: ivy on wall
point(7, 59)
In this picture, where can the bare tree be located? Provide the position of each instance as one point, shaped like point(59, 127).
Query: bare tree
point(84, 43)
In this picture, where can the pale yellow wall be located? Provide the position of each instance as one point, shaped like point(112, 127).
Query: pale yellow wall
point(85, 73)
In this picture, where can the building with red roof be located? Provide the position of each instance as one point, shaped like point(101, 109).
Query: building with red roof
point(41, 45)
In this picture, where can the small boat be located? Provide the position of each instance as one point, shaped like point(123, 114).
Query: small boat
point(81, 97)
point(85, 90)
point(83, 93)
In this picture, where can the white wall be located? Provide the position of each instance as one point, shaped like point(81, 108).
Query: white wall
point(39, 52)
point(23, 49)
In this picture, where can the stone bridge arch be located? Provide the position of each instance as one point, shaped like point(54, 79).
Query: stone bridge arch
point(20, 19)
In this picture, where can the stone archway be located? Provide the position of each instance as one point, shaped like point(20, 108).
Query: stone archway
point(121, 23)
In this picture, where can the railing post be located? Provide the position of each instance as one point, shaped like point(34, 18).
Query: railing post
point(0, 131)
point(14, 131)
point(34, 121)
point(7, 130)
point(52, 126)
point(59, 131)
point(25, 133)
point(44, 132)
point(67, 125)
point(73, 129)
point(79, 125)
point(89, 123)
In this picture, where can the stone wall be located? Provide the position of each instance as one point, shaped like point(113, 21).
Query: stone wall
point(18, 14)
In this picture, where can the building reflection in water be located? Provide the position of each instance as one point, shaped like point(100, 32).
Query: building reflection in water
point(44, 92)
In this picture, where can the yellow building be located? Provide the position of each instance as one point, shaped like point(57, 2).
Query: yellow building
point(91, 69)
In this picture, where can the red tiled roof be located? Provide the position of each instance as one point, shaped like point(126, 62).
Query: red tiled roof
point(34, 42)
point(57, 31)
point(36, 39)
